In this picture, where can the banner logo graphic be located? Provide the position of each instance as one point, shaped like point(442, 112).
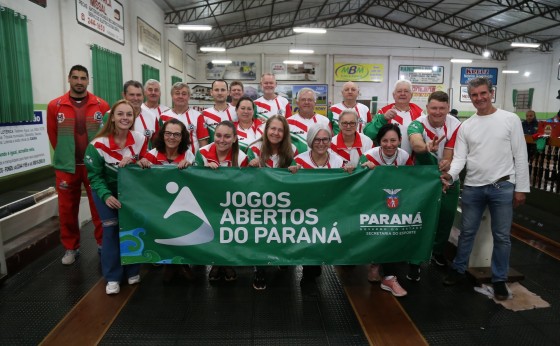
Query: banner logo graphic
point(392, 198)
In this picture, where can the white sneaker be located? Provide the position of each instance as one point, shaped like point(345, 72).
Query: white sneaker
point(69, 257)
point(391, 284)
point(134, 279)
point(113, 287)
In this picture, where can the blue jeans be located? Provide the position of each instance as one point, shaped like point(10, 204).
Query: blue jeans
point(499, 199)
point(111, 265)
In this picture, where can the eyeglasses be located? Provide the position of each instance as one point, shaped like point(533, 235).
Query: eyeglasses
point(348, 123)
point(323, 140)
point(172, 134)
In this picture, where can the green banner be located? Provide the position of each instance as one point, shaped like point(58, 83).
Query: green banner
point(253, 216)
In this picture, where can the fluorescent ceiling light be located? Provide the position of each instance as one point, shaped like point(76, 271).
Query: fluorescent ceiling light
point(510, 71)
point(435, 68)
point(212, 49)
point(459, 61)
point(222, 62)
point(302, 51)
point(190, 27)
point(525, 45)
point(422, 70)
point(311, 30)
point(527, 74)
point(293, 62)
point(486, 54)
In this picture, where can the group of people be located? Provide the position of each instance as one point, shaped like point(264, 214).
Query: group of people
point(265, 133)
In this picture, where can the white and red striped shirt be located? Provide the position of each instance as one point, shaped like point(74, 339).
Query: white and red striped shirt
point(208, 154)
point(250, 135)
point(254, 152)
point(146, 124)
point(157, 158)
point(299, 126)
point(361, 109)
point(448, 130)
point(306, 162)
point(277, 106)
point(375, 155)
point(403, 119)
point(211, 117)
point(352, 154)
point(190, 119)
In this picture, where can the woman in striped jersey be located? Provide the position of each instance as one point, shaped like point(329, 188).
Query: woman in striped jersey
point(114, 147)
point(248, 129)
point(274, 150)
point(350, 144)
point(223, 152)
point(388, 153)
point(171, 148)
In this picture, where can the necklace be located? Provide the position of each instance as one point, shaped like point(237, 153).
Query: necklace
point(388, 160)
point(315, 163)
point(245, 129)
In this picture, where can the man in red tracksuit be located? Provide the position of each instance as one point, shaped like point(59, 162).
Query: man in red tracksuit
point(73, 119)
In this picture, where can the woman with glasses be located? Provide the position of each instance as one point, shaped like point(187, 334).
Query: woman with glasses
point(319, 156)
point(171, 147)
point(350, 144)
point(223, 152)
point(387, 154)
point(114, 147)
point(248, 129)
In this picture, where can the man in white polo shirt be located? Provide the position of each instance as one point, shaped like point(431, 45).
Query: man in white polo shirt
point(306, 116)
point(220, 111)
point(271, 104)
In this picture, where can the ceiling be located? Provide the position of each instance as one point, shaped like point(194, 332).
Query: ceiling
point(468, 25)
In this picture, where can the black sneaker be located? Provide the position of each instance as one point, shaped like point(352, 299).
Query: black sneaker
point(216, 273)
point(259, 281)
point(453, 277)
point(500, 290)
point(229, 274)
point(413, 272)
point(439, 260)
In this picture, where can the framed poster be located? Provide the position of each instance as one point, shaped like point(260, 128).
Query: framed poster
point(175, 56)
point(302, 72)
point(149, 40)
point(432, 77)
point(468, 73)
point(107, 18)
point(237, 70)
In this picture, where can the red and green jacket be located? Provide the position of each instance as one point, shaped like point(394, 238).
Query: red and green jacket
point(60, 127)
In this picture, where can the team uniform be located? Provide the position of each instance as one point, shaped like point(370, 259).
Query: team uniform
point(157, 158)
point(102, 158)
point(449, 199)
point(208, 154)
point(351, 155)
point(403, 119)
point(306, 161)
point(374, 155)
point(362, 110)
point(190, 118)
point(254, 152)
point(211, 117)
point(299, 126)
point(279, 105)
point(154, 112)
point(448, 130)
point(250, 135)
point(71, 126)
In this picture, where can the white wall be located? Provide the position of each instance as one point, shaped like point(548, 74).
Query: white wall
point(56, 45)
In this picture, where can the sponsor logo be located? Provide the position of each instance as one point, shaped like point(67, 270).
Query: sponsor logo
point(98, 117)
point(60, 118)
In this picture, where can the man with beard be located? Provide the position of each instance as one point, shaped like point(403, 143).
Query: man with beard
point(73, 119)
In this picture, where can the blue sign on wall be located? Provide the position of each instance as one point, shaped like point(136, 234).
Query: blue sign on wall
point(468, 73)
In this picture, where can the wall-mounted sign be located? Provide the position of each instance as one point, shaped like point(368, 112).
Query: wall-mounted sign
point(420, 93)
point(149, 40)
point(175, 56)
point(428, 74)
point(25, 145)
point(301, 72)
point(237, 70)
point(468, 73)
point(351, 72)
point(105, 17)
